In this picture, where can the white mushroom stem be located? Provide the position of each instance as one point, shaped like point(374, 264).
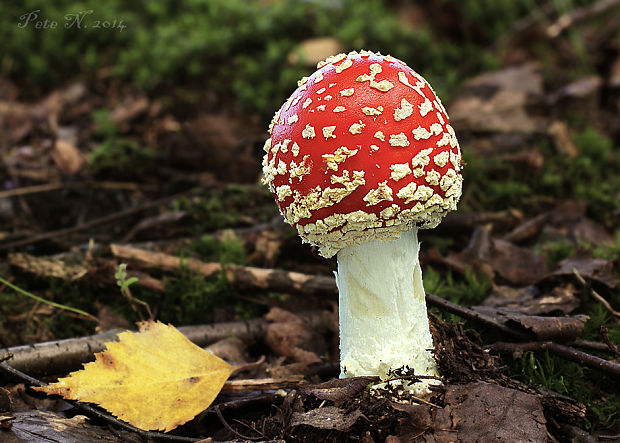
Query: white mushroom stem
point(383, 320)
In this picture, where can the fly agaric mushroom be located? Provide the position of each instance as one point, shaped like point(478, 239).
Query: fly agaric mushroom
point(361, 156)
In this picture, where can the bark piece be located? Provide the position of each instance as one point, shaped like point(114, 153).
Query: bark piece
point(328, 417)
point(47, 267)
point(339, 389)
point(562, 140)
point(47, 426)
point(528, 229)
point(6, 402)
point(232, 350)
point(62, 356)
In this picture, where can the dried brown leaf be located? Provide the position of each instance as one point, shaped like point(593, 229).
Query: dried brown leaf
point(481, 412)
point(559, 329)
point(291, 337)
point(528, 300)
point(67, 157)
point(517, 265)
point(596, 269)
point(496, 101)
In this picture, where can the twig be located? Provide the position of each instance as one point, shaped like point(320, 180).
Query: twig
point(97, 413)
point(536, 15)
point(264, 384)
point(567, 352)
point(47, 187)
point(528, 229)
point(611, 347)
point(422, 401)
point(249, 427)
point(579, 15)
point(247, 366)
point(230, 428)
point(589, 344)
point(468, 313)
point(596, 295)
point(94, 222)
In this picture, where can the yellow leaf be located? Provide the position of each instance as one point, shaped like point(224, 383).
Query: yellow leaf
point(155, 379)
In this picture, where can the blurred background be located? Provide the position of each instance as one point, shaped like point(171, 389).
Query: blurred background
point(143, 123)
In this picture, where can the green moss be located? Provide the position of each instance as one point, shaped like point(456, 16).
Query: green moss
point(210, 212)
point(228, 207)
point(466, 290)
point(191, 298)
point(609, 252)
point(550, 372)
point(597, 391)
point(589, 177)
point(241, 46)
point(116, 156)
point(229, 250)
point(555, 251)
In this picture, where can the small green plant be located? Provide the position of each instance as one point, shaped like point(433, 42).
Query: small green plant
point(123, 282)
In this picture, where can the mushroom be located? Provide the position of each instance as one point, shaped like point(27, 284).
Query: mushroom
point(360, 156)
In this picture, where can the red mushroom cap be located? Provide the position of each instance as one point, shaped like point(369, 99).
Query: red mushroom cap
point(362, 150)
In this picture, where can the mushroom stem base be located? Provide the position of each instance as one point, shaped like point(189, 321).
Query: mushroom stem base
point(383, 320)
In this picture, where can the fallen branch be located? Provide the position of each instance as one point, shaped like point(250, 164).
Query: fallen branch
point(63, 356)
point(242, 277)
point(567, 352)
